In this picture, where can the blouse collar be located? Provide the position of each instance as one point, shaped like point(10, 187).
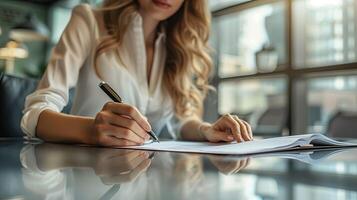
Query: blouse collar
point(138, 25)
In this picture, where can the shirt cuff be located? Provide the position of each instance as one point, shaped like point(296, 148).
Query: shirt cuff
point(28, 158)
point(30, 119)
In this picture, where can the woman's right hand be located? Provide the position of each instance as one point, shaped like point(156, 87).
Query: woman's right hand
point(119, 124)
point(115, 166)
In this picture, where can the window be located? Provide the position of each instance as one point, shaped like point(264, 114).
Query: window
point(286, 66)
point(262, 102)
point(60, 18)
point(323, 98)
point(244, 34)
point(328, 29)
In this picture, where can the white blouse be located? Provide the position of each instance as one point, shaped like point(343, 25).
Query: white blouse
point(71, 65)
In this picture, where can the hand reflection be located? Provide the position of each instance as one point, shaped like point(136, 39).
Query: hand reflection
point(188, 174)
point(118, 167)
point(189, 168)
point(111, 165)
point(229, 166)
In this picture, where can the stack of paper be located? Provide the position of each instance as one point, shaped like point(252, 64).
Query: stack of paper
point(250, 147)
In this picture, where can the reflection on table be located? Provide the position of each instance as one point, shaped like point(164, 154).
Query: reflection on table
point(55, 171)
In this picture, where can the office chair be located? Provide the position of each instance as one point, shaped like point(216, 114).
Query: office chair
point(343, 125)
point(271, 122)
point(13, 91)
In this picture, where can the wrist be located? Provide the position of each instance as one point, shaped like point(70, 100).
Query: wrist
point(203, 128)
point(89, 136)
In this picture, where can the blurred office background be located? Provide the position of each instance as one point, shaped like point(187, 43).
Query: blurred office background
point(286, 66)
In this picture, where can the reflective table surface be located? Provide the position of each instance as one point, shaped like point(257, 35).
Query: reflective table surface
point(57, 171)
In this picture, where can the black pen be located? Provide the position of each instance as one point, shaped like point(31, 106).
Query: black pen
point(116, 98)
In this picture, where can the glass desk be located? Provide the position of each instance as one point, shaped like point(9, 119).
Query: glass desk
point(57, 171)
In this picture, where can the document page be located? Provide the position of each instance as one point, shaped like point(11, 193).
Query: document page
point(250, 147)
point(257, 146)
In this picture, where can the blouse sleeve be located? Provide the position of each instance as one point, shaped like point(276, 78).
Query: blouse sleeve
point(62, 71)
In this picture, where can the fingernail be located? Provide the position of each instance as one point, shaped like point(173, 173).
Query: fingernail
point(230, 137)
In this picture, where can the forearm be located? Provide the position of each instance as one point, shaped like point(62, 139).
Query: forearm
point(193, 130)
point(59, 127)
point(66, 156)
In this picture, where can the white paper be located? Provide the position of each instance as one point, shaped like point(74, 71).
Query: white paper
point(250, 147)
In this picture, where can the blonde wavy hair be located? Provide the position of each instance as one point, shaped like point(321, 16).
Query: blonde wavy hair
point(188, 62)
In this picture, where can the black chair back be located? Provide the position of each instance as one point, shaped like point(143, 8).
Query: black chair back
point(271, 122)
point(13, 92)
point(343, 125)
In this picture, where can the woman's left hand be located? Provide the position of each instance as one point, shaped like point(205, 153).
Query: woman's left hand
point(227, 128)
point(228, 166)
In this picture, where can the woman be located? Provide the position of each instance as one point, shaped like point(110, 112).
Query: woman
point(153, 53)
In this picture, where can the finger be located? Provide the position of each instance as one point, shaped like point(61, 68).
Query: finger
point(115, 164)
point(121, 155)
point(218, 136)
point(134, 163)
point(128, 110)
point(247, 163)
point(240, 164)
point(128, 165)
point(243, 164)
point(244, 132)
point(129, 176)
point(107, 140)
point(123, 121)
point(130, 124)
point(230, 167)
point(109, 153)
point(249, 129)
point(122, 152)
point(121, 133)
point(131, 155)
point(243, 129)
point(234, 127)
point(127, 134)
point(120, 165)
